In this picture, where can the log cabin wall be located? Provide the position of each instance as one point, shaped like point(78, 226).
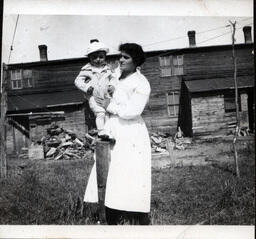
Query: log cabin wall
point(209, 115)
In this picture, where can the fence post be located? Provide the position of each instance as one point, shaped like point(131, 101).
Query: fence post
point(102, 165)
point(3, 123)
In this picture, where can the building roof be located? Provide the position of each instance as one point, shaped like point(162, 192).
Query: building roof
point(196, 86)
point(44, 100)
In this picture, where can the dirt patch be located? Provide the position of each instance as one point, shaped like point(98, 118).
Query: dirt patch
point(204, 152)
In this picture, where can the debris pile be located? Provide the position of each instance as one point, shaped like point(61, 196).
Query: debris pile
point(24, 153)
point(163, 142)
point(159, 142)
point(64, 144)
point(181, 142)
point(243, 131)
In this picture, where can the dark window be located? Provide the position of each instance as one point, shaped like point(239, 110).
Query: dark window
point(16, 79)
point(178, 65)
point(21, 79)
point(165, 66)
point(230, 102)
point(173, 100)
point(171, 65)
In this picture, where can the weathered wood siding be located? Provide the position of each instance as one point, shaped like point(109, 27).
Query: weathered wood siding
point(51, 78)
point(155, 113)
point(209, 116)
point(21, 140)
point(244, 116)
point(218, 63)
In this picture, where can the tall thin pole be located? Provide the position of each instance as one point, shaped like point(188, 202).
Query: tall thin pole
point(11, 47)
point(3, 122)
point(236, 99)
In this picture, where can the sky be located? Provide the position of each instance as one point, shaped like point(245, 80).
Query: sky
point(67, 36)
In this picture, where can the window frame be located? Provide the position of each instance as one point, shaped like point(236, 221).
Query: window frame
point(178, 65)
point(228, 96)
point(175, 66)
point(21, 78)
point(16, 82)
point(165, 65)
point(175, 104)
point(29, 83)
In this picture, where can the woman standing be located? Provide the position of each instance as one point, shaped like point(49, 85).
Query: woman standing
point(128, 188)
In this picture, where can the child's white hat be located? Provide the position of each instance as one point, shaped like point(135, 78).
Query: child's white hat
point(95, 45)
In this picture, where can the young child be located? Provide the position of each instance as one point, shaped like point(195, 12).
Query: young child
point(97, 81)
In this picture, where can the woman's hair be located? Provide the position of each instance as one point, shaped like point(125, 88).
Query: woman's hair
point(135, 51)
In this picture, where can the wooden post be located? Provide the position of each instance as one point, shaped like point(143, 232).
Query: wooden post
point(102, 165)
point(14, 141)
point(236, 96)
point(3, 122)
point(169, 146)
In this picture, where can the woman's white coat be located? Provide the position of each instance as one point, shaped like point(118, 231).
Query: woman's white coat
point(129, 178)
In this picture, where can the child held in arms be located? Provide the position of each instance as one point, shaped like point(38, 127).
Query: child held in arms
point(97, 80)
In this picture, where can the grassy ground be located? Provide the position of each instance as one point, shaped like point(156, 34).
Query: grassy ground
point(51, 192)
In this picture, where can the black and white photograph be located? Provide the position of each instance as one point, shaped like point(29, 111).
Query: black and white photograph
point(139, 116)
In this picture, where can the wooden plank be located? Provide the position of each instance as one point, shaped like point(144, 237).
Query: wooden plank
point(14, 141)
point(102, 165)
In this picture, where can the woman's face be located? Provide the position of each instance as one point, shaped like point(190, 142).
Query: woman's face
point(126, 63)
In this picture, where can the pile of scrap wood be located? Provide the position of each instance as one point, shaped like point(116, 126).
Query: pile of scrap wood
point(24, 153)
point(159, 142)
point(64, 144)
point(163, 142)
point(180, 141)
point(243, 131)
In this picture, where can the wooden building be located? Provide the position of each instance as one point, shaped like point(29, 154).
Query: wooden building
point(208, 90)
point(194, 88)
point(191, 87)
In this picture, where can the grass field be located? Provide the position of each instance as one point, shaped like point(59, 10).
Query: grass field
point(209, 193)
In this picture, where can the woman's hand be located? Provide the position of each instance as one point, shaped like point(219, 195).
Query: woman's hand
point(106, 103)
point(111, 90)
point(90, 91)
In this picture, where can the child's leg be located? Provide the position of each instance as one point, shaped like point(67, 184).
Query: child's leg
point(95, 107)
point(107, 130)
point(106, 134)
point(99, 113)
point(100, 121)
